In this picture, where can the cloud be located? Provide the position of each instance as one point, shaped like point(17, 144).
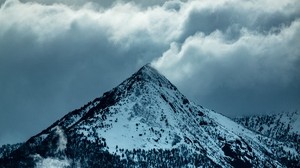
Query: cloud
point(234, 56)
point(255, 70)
point(252, 52)
point(103, 4)
point(230, 16)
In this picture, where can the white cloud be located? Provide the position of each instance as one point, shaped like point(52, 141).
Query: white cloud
point(250, 54)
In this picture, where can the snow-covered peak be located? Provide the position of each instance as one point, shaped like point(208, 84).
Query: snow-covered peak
point(150, 74)
point(147, 75)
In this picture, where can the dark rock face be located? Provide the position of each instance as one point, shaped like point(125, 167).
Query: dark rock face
point(147, 122)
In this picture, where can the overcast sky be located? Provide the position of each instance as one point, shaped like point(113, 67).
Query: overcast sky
point(238, 57)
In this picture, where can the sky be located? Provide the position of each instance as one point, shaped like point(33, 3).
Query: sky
point(237, 57)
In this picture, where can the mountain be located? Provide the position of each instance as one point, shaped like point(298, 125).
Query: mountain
point(284, 126)
point(5, 150)
point(146, 122)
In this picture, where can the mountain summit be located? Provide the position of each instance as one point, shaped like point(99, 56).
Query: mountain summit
point(147, 122)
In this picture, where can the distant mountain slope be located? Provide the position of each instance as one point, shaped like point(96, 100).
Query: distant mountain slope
point(5, 150)
point(283, 126)
point(147, 122)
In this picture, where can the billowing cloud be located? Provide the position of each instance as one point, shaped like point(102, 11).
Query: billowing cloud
point(237, 57)
point(256, 73)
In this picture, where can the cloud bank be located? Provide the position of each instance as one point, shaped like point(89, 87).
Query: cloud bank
point(237, 57)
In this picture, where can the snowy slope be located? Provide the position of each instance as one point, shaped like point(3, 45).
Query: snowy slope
point(283, 126)
point(146, 121)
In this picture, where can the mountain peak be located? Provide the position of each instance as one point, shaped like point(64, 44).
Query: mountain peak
point(147, 71)
point(147, 67)
point(148, 74)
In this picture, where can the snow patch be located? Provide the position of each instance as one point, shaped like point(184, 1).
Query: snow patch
point(51, 162)
point(62, 141)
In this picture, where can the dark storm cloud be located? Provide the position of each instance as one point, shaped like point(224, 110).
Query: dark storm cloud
point(230, 18)
point(237, 57)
